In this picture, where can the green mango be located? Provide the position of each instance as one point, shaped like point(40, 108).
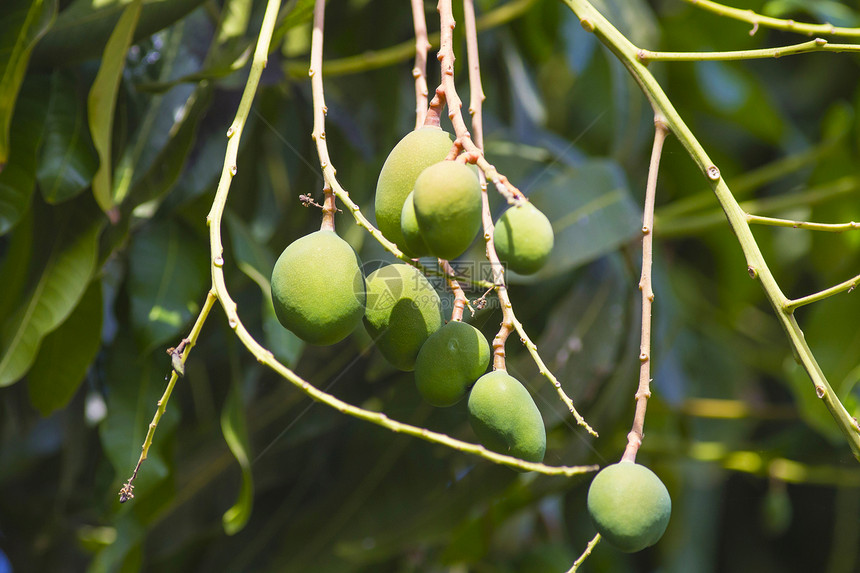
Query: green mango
point(318, 288)
point(524, 239)
point(416, 151)
point(629, 506)
point(505, 418)
point(447, 201)
point(449, 362)
point(403, 310)
point(414, 244)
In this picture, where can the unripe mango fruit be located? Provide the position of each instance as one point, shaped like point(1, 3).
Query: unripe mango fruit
point(416, 151)
point(449, 362)
point(629, 506)
point(318, 288)
point(447, 201)
point(413, 243)
point(523, 238)
point(505, 418)
point(403, 310)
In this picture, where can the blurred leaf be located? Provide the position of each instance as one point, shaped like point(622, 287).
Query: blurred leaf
point(591, 211)
point(67, 159)
point(15, 262)
point(66, 354)
point(235, 431)
point(82, 28)
point(63, 278)
point(256, 261)
point(22, 23)
point(167, 166)
point(168, 275)
point(18, 178)
point(102, 101)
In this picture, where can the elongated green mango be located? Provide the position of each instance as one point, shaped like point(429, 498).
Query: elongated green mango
point(449, 362)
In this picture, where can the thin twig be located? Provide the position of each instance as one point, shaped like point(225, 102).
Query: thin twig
point(643, 392)
point(816, 45)
point(461, 301)
point(811, 226)
point(777, 23)
point(419, 72)
point(127, 491)
point(588, 549)
point(846, 286)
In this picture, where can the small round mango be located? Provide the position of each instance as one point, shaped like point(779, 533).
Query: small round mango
point(403, 310)
point(413, 243)
point(629, 506)
point(449, 362)
point(523, 238)
point(416, 151)
point(318, 288)
point(505, 418)
point(447, 201)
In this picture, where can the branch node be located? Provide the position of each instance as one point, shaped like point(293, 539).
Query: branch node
point(713, 173)
point(587, 25)
point(752, 272)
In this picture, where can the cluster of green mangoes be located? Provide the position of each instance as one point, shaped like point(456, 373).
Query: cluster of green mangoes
point(430, 206)
point(629, 506)
point(427, 205)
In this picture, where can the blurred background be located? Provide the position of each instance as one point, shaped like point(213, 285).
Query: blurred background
point(248, 474)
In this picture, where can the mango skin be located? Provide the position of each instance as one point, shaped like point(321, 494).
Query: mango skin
point(629, 506)
point(318, 288)
point(524, 239)
point(403, 310)
point(505, 418)
point(449, 362)
point(414, 244)
point(447, 200)
point(416, 151)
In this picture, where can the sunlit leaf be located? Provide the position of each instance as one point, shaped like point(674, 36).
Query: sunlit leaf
point(61, 282)
point(67, 160)
point(102, 101)
point(66, 354)
point(235, 431)
point(22, 23)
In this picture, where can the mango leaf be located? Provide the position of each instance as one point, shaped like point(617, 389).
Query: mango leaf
point(67, 159)
point(22, 23)
point(102, 101)
point(167, 166)
point(168, 276)
point(18, 178)
point(62, 281)
point(235, 430)
point(66, 354)
point(16, 259)
point(592, 213)
point(82, 29)
point(256, 261)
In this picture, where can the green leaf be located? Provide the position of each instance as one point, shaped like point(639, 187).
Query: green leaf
point(18, 178)
point(167, 166)
point(102, 101)
point(62, 281)
point(168, 276)
point(22, 23)
point(235, 430)
point(592, 214)
point(256, 261)
point(67, 160)
point(66, 354)
point(82, 29)
point(16, 259)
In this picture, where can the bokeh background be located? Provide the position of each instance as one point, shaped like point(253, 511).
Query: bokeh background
point(761, 479)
